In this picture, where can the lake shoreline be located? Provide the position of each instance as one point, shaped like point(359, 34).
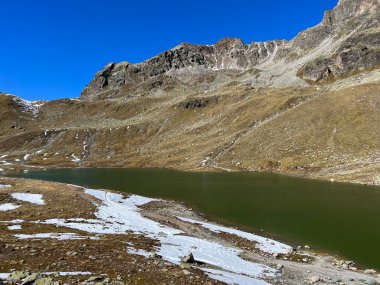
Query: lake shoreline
point(292, 267)
point(298, 174)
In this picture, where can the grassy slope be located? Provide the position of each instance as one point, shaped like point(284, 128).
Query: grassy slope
point(302, 131)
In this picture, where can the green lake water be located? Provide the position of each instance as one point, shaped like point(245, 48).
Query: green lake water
point(341, 219)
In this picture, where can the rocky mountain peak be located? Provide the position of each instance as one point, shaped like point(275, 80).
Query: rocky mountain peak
point(345, 42)
point(229, 43)
point(347, 10)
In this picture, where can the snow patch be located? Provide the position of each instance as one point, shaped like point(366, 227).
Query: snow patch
point(58, 236)
point(119, 215)
point(261, 243)
point(140, 252)
point(13, 222)
point(74, 158)
point(8, 207)
point(14, 227)
point(31, 198)
point(232, 278)
point(3, 186)
point(74, 273)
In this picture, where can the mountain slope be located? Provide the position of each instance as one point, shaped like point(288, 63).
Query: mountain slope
point(309, 107)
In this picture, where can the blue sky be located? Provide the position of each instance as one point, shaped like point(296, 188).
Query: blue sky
point(51, 49)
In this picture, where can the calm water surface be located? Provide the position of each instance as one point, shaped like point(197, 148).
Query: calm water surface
point(342, 219)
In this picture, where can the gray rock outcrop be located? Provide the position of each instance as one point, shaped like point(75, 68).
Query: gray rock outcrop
point(345, 42)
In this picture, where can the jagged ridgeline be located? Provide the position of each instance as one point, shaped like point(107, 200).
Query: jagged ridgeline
point(308, 106)
point(346, 42)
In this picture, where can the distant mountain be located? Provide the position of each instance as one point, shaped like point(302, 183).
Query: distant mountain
point(346, 42)
point(307, 107)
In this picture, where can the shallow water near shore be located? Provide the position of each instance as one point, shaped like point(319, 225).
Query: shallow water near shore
point(338, 218)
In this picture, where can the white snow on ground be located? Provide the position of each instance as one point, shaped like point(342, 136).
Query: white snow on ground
point(119, 215)
point(261, 243)
point(8, 207)
point(75, 159)
point(13, 222)
point(27, 106)
point(27, 197)
point(232, 278)
point(58, 236)
point(27, 156)
point(2, 186)
point(1, 169)
point(74, 273)
point(14, 227)
point(141, 252)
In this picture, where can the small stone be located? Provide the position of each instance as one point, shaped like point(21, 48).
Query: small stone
point(71, 253)
point(45, 281)
point(18, 276)
point(307, 247)
point(369, 271)
point(279, 266)
point(185, 265)
point(314, 279)
point(188, 258)
point(31, 278)
point(94, 278)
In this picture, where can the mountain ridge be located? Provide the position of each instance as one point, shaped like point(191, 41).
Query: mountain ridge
point(233, 54)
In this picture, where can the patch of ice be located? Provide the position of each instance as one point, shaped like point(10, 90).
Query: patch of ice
point(14, 227)
point(205, 161)
point(4, 275)
point(27, 197)
point(2, 186)
point(119, 215)
point(13, 222)
point(75, 159)
point(8, 207)
point(261, 243)
point(141, 252)
point(232, 278)
point(74, 273)
point(58, 236)
point(28, 106)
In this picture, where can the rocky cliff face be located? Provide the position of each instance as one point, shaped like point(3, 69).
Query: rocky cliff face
point(227, 54)
point(345, 42)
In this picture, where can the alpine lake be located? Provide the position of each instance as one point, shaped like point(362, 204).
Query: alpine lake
point(335, 218)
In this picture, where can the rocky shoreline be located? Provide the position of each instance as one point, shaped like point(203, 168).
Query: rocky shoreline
point(64, 234)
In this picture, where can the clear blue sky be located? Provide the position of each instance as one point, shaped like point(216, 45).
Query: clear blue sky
point(51, 49)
